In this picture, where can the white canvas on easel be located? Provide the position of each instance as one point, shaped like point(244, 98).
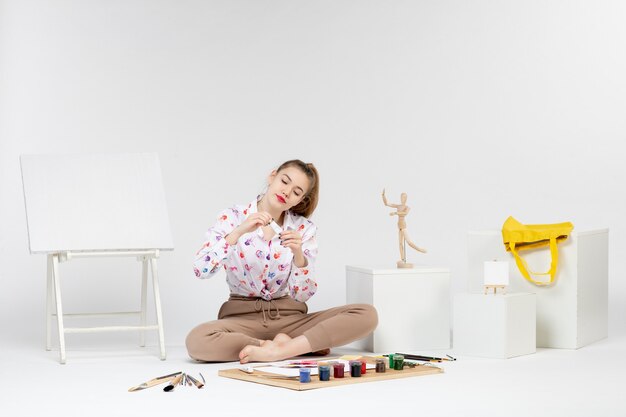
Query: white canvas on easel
point(95, 202)
point(496, 275)
point(96, 205)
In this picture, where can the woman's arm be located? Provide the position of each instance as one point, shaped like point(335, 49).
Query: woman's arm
point(218, 245)
point(221, 239)
point(302, 285)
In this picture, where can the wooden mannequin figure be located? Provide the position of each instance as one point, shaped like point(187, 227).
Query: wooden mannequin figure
point(401, 211)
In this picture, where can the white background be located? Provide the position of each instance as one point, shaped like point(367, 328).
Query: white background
point(478, 110)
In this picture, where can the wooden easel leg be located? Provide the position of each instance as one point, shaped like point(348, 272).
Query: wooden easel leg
point(157, 303)
point(59, 306)
point(49, 292)
point(144, 293)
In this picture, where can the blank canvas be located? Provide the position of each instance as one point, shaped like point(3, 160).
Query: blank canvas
point(95, 202)
point(496, 273)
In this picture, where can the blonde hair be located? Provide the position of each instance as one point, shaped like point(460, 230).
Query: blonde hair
point(307, 206)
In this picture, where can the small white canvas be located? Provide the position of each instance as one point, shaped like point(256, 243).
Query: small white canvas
point(496, 273)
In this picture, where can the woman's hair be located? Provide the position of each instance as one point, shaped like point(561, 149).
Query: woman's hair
point(309, 202)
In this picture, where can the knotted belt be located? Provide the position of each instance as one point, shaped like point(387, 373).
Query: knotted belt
point(266, 306)
point(261, 305)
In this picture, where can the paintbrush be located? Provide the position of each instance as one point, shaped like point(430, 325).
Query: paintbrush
point(195, 381)
point(173, 383)
point(155, 381)
point(250, 371)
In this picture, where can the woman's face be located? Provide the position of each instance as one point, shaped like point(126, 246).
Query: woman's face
point(287, 188)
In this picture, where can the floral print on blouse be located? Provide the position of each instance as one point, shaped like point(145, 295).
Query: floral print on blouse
point(256, 267)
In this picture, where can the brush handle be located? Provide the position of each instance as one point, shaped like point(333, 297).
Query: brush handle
point(154, 381)
point(195, 381)
point(151, 383)
point(174, 382)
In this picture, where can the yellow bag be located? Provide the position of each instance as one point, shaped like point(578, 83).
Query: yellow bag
point(517, 236)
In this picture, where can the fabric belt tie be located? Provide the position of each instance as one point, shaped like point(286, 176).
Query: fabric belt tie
point(265, 306)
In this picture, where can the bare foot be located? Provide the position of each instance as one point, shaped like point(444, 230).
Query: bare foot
point(271, 350)
point(281, 338)
point(268, 351)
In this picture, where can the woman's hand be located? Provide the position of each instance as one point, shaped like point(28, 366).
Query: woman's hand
point(253, 222)
point(293, 240)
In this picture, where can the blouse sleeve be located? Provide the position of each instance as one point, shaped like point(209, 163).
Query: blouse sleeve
point(215, 249)
point(302, 285)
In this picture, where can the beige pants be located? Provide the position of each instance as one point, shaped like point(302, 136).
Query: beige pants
point(246, 321)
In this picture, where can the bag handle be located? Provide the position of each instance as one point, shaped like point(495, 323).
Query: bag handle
point(523, 267)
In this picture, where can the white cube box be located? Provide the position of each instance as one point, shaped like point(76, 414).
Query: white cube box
point(574, 311)
point(413, 306)
point(494, 326)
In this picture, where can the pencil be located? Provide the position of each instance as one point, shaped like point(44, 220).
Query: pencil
point(425, 358)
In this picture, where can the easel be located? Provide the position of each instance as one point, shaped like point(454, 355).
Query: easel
point(96, 206)
point(496, 276)
point(495, 288)
point(53, 292)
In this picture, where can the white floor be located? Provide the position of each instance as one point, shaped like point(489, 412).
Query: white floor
point(94, 382)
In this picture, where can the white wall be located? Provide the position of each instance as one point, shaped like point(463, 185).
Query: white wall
point(476, 109)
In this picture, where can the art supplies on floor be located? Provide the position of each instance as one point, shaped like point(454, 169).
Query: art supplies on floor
point(173, 380)
point(292, 368)
point(306, 375)
point(422, 358)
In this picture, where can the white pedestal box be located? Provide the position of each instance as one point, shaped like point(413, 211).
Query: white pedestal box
point(494, 326)
point(413, 306)
point(571, 313)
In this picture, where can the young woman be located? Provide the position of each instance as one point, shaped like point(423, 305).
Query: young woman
point(271, 275)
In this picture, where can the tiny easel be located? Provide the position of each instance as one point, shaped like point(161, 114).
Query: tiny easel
point(53, 294)
point(495, 289)
point(496, 276)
